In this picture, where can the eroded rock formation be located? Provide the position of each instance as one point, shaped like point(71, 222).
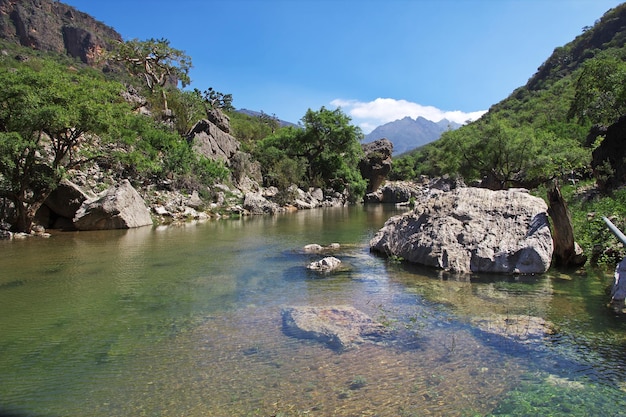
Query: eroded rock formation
point(376, 164)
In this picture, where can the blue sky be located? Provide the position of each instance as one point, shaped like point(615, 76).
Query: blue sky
point(380, 60)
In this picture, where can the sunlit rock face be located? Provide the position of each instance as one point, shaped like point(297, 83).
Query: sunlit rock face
point(472, 230)
point(120, 207)
point(49, 25)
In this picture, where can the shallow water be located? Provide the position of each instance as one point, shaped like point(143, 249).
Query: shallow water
point(185, 321)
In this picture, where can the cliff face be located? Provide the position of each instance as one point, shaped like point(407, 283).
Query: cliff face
point(48, 25)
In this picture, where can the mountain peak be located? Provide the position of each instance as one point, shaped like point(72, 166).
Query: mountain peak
point(407, 134)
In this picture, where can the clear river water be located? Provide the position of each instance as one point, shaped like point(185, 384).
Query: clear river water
point(186, 321)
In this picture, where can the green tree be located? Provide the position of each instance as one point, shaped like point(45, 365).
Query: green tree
point(600, 91)
point(215, 100)
point(249, 130)
point(188, 108)
point(156, 62)
point(48, 119)
point(280, 165)
point(327, 151)
point(331, 145)
point(503, 156)
point(272, 121)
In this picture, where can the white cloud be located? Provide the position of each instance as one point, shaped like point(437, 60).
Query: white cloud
point(369, 115)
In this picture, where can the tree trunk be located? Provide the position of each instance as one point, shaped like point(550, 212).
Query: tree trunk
point(24, 221)
point(26, 211)
point(563, 234)
point(165, 108)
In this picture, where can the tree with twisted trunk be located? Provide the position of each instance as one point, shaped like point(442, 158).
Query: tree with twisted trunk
point(156, 62)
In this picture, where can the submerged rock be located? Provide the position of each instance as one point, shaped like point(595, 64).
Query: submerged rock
point(519, 328)
point(340, 327)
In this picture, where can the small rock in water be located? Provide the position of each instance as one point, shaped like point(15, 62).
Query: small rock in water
point(313, 247)
point(327, 264)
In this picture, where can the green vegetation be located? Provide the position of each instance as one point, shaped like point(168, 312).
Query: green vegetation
point(358, 382)
point(587, 210)
point(600, 91)
point(48, 116)
point(561, 397)
point(55, 117)
point(325, 153)
point(56, 114)
point(542, 133)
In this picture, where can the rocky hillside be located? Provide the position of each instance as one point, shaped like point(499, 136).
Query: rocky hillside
point(407, 134)
point(609, 33)
point(49, 25)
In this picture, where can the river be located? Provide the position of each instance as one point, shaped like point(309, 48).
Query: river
point(186, 321)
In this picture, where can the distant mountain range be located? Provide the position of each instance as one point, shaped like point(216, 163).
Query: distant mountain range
point(407, 134)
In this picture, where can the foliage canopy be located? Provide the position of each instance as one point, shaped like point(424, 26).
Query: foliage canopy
point(48, 117)
point(324, 153)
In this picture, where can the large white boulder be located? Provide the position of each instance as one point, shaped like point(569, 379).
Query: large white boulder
point(472, 230)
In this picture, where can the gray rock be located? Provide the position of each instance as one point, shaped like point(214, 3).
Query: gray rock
point(57, 27)
point(472, 230)
point(209, 140)
point(398, 192)
point(446, 183)
point(194, 201)
point(313, 247)
point(67, 198)
point(376, 164)
point(618, 291)
point(330, 263)
point(255, 203)
point(317, 194)
point(220, 119)
point(246, 172)
point(340, 327)
point(120, 207)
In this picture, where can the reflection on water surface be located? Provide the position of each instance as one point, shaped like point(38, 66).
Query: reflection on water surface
point(185, 321)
